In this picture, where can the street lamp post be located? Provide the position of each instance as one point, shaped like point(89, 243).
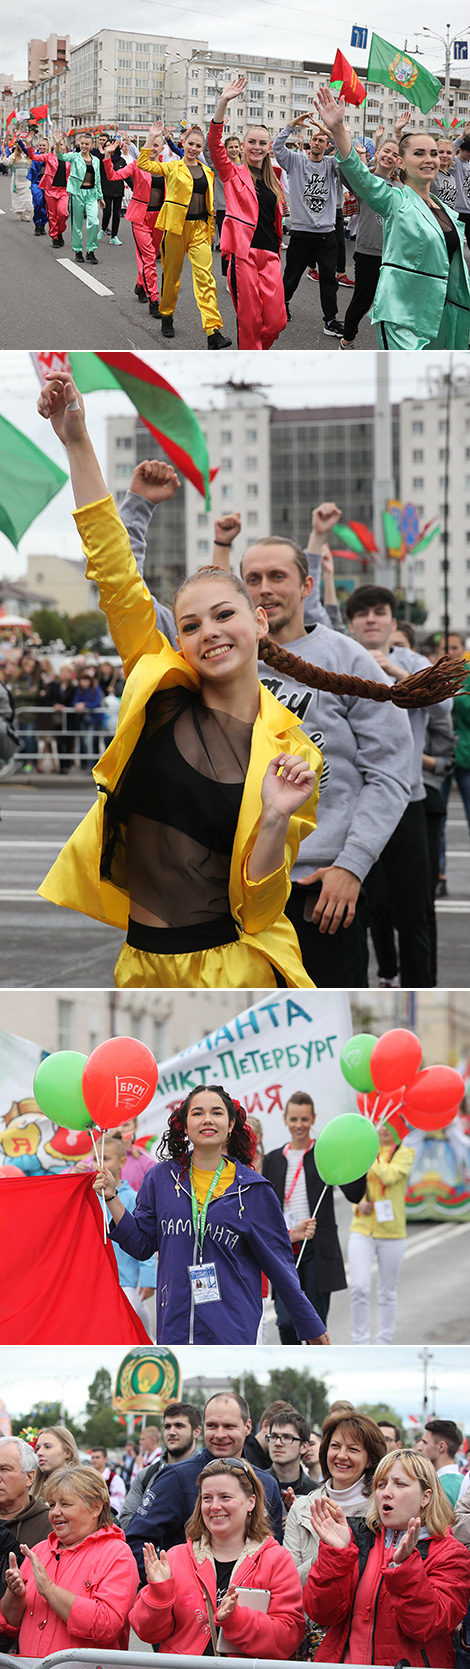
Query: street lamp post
point(447, 43)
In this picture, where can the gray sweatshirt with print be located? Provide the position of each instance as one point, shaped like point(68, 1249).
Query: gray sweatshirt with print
point(313, 195)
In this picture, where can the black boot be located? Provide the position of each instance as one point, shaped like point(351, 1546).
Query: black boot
point(168, 328)
point(154, 310)
point(79, 258)
point(140, 292)
point(216, 340)
point(91, 257)
point(60, 241)
point(37, 231)
point(56, 243)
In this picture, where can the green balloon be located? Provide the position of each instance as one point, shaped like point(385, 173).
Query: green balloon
point(346, 1148)
point(355, 1059)
point(58, 1090)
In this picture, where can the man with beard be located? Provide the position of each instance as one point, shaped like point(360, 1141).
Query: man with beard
point(182, 1428)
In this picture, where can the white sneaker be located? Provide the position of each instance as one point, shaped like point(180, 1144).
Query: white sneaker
point(390, 984)
point(343, 344)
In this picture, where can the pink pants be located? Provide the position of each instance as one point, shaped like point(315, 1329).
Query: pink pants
point(147, 239)
point(57, 203)
point(257, 293)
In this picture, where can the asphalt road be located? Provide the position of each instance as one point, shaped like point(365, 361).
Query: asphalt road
point(45, 946)
point(433, 1300)
point(48, 302)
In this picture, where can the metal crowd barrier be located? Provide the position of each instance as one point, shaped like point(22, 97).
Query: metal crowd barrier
point(62, 726)
point(144, 1660)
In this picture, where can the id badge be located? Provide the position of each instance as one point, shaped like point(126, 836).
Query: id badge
point(204, 1283)
point(384, 1211)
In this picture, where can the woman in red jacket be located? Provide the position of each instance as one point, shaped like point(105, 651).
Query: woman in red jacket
point(252, 230)
point(196, 1589)
point(144, 208)
point(395, 1584)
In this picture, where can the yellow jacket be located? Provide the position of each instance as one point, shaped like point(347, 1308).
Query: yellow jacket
point(149, 664)
point(387, 1180)
point(178, 191)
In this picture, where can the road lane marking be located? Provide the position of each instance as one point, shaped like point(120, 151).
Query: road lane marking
point(86, 277)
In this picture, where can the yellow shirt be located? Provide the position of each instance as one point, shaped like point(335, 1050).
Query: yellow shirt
point(386, 1180)
point(202, 1181)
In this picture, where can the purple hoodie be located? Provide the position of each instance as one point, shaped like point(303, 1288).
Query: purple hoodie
point(245, 1234)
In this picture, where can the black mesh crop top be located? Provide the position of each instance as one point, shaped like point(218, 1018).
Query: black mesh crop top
point(179, 800)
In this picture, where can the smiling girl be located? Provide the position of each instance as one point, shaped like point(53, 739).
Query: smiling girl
point(252, 229)
point(216, 1224)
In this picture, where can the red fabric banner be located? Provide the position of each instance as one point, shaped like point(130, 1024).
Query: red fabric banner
point(352, 89)
point(38, 112)
point(59, 1281)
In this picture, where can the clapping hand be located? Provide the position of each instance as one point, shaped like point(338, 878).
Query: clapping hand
point(157, 1569)
point(408, 1542)
point(13, 1580)
point(329, 1522)
point(42, 1580)
point(227, 1604)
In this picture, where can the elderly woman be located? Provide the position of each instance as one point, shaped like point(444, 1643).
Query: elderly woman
point(350, 1449)
point(77, 1587)
point(194, 1590)
point(55, 1449)
point(396, 1586)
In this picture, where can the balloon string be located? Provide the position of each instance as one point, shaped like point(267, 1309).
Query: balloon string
point(103, 1201)
point(314, 1213)
point(389, 1108)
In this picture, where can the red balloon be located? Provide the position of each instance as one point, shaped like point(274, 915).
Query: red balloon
point(119, 1080)
point(367, 1103)
point(435, 1092)
point(395, 1058)
point(432, 1121)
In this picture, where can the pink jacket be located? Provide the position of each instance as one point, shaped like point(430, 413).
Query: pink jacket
point(48, 178)
point(142, 186)
point(241, 202)
point(174, 1613)
point(103, 1574)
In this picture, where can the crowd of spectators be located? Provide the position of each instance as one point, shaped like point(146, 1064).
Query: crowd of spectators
point(65, 714)
point(341, 1544)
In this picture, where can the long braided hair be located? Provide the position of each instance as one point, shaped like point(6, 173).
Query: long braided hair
point(421, 689)
point(241, 1140)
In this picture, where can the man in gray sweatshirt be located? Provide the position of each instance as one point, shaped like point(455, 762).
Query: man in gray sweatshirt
point(367, 746)
point(313, 191)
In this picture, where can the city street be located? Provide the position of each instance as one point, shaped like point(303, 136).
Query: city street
point(52, 303)
point(46, 946)
point(433, 1288)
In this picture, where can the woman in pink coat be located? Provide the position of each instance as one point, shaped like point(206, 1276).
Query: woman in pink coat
point(76, 1588)
point(144, 207)
point(195, 1590)
point(252, 230)
point(396, 1584)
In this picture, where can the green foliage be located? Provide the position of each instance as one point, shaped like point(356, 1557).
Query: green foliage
point(49, 625)
point(102, 1424)
point(44, 1414)
point(382, 1411)
point(307, 1394)
point(100, 1392)
point(76, 631)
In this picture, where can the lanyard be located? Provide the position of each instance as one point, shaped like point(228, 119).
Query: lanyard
point(385, 1185)
point(199, 1217)
point(285, 1151)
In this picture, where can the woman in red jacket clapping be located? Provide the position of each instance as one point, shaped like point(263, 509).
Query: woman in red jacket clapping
point(195, 1590)
point(395, 1584)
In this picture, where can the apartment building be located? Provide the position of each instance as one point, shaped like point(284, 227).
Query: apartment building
point(427, 479)
point(47, 58)
point(129, 78)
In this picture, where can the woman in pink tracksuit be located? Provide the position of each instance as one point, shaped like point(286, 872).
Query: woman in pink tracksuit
point(252, 230)
point(76, 1588)
point(54, 185)
point(196, 1589)
point(144, 207)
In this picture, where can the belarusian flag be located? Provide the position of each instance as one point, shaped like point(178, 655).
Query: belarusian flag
point(162, 410)
point(38, 112)
point(357, 536)
point(28, 480)
point(10, 118)
point(396, 69)
point(344, 77)
point(424, 538)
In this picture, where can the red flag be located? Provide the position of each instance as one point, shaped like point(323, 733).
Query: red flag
point(10, 118)
point(352, 89)
point(365, 535)
point(59, 1281)
point(38, 111)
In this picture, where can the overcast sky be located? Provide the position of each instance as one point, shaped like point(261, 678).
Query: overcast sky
point(298, 379)
point(299, 31)
point(366, 1375)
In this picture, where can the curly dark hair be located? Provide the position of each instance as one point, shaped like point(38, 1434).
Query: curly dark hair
point(241, 1141)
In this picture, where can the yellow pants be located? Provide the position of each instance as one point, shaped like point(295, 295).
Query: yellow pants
point(237, 966)
point(192, 241)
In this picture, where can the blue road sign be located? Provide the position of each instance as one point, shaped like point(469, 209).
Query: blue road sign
point(460, 49)
point(359, 36)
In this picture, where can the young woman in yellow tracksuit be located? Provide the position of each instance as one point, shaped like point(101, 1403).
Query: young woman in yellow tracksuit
point(209, 785)
point(378, 1229)
point(187, 218)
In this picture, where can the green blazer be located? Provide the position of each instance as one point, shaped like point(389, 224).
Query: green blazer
point(78, 169)
point(415, 283)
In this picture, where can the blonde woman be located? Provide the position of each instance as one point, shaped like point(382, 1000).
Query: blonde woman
point(18, 162)
point(55, 1447)
point(395, 1586)
point(252, 230)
